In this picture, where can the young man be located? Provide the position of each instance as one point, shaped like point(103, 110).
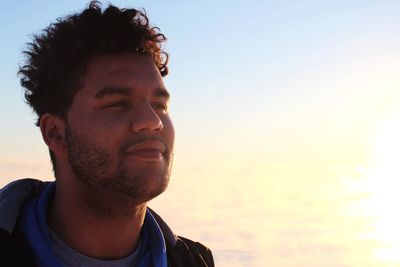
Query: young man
point(95, 81)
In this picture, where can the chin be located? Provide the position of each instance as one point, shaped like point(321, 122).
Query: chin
point(156, 188)
point(139, 187)
point(141, 182)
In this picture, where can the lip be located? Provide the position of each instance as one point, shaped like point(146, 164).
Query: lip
point(149, 150)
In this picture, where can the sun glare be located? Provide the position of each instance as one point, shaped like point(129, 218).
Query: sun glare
point(382, 180)
point(387, 144)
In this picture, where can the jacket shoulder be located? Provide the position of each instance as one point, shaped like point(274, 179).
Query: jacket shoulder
point(14, 247)
point(15, 250)
point(183, 252)
point(189, 253)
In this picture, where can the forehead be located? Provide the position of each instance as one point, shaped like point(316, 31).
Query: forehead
point(122, 70)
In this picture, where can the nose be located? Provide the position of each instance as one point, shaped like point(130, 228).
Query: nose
point(146, 119)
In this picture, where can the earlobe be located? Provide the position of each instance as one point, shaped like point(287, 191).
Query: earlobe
point(53, 132)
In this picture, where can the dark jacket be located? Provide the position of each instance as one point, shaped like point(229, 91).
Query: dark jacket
point(15, 249)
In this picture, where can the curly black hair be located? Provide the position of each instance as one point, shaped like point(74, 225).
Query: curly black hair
point(57, 58)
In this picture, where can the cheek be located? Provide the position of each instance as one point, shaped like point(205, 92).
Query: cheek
point(108, 124)
point(105, 133)
point(169, 131)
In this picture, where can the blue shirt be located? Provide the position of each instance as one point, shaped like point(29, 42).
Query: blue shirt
point(34, 225)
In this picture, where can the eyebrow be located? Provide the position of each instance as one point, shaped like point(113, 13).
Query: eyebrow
point(107, 91)
point(161, 92)
point(124, 91)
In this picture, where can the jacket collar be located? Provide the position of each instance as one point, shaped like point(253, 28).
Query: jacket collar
point(15, 194)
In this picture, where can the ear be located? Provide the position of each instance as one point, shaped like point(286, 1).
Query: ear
point(53, 132)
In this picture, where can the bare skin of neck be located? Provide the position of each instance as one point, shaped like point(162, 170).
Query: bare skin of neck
point(101, 237)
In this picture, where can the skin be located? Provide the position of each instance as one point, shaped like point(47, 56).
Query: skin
point(113, 154)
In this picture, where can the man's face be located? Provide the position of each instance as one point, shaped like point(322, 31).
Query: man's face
point(119, 136)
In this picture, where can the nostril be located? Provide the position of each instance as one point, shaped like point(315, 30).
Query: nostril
point(152, 124)
point(160, 126)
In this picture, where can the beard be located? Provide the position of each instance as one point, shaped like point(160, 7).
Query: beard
point(109, 185)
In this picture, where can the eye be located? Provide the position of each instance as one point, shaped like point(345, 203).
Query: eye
point(160, 106)
point(117, 105)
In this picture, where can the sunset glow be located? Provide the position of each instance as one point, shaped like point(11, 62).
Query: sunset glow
point(287, 118)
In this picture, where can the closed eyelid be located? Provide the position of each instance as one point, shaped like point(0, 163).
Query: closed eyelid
point(162, 105)
point(116, 104)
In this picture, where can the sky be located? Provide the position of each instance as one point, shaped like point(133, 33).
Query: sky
point(295, 94)
point(263, 80)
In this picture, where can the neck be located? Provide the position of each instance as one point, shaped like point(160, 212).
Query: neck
point(112, 233)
